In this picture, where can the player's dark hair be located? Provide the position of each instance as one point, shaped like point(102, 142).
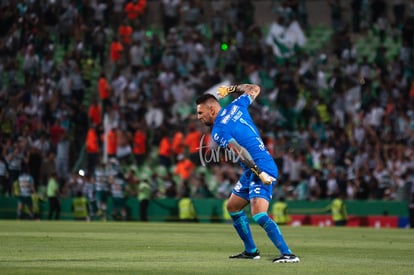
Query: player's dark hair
point(204, 98)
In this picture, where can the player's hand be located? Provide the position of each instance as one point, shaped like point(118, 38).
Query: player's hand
point(266, 178)
point(223, 91)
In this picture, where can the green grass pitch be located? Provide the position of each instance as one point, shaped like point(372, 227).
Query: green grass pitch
point(66, 247)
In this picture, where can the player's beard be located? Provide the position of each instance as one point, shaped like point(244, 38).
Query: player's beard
point(208, 122)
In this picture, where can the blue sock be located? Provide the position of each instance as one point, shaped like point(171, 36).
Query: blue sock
point(241, 224)
point(272, 231)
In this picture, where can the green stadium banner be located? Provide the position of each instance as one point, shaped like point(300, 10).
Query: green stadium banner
point(211, 210)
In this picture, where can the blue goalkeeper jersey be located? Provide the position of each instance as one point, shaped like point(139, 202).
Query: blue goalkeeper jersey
point(235, 122)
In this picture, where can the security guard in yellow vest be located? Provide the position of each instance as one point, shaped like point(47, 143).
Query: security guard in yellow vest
point(338, 210)
point(186, 210)
point(226, 215)
point(36, 199)
point(80, 207)
point(279, 212)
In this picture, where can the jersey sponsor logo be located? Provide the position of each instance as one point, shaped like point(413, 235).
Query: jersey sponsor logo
point(225, 119)
point(238, 186)
point(220, 141)
point(237, 116)
point(223, 142)
point(223, 113)
point(234, 109)
point(261, 144)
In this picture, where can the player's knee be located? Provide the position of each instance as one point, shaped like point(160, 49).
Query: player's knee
point(232, 207)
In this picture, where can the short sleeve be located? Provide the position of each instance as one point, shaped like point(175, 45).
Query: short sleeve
point(244, 100)
point(221, 135)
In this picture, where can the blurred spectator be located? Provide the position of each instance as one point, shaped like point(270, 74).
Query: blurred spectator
point(338, 210)
point(178, 144)
point(186, 210)
point(192, 141)
point(36, 199)
point(99, 37)
point(48, 167)
point(42, 143)
point(53, 194)
point(80, 207)
point(118, 191)
point(336, 14)
point(279, 211)
point(88, 191)
point(119, 84)
point(356, 7)
point(31, 64)
point(184, 167)
point(101, 190)
point(80, 122)
point(66, 22)
point(99, 9)
point(125, 34)
point(378, 9)
point(170, 12)
point(201, 190)
point(95, 112)
point(34, 161)
point(165, 151)
point(124, 150)
point(4, 183)
point(192, 12)
point(332, 188)
point(135, 8)
point(139, 146)
point(136, 55)
point(62, 158)
point(92, 148)
point(117, 13)
point(302, 189)
point(24, 190)
point(111, 142)
point(77, 85)
point(144, 195)
point(56, 131)
point(105, 92)
point(383, 179)
point(170, 186)
point(154, 117)
point(16, 159)
point(116, 53)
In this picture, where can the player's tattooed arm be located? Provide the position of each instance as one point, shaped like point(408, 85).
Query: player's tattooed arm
point(251, 89)
point(241, 153)
point(244, 156)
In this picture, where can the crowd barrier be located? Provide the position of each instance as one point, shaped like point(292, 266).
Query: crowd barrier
point(372, 213)
point(376, 221)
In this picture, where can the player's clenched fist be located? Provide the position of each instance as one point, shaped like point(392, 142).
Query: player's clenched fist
point(266, 178)
point(223, 91)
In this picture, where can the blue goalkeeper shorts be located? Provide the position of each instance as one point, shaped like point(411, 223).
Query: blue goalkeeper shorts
point(250, 186)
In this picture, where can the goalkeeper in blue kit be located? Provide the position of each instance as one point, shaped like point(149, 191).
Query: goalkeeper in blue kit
point(233, 128)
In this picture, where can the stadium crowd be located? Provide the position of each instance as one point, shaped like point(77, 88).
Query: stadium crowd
point(335, 121)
